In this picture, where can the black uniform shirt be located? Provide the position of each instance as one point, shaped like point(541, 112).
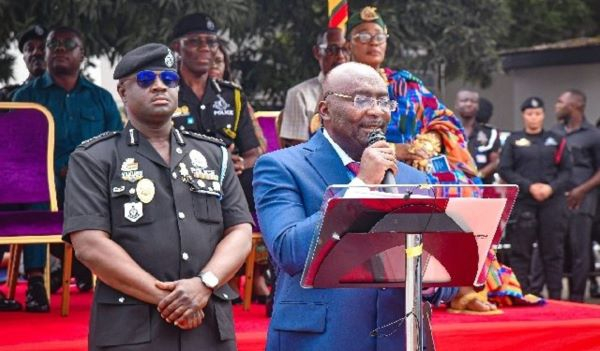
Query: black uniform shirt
point(584, 145)
point(222, 113)
point(169, 219)
point(535, 158)
point(483, 141)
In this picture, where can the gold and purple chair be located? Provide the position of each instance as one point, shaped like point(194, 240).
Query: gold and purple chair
point(26, 179)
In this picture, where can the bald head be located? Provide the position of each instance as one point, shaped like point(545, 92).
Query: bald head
point(349, 77)
point(353, 104)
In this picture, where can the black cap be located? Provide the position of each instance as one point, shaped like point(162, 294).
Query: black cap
point(532, 102)
point(35, 31)
point(195, 22)
point(154, 57)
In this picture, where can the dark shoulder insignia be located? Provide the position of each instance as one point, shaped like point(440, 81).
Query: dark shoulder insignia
point(93, 140)
point(230, 84)
point(409, 76)
point(204, 137)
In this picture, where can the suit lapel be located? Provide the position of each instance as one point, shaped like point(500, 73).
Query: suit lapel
point(325, 161)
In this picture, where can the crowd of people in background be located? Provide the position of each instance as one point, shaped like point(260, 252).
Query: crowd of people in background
point(557, 170)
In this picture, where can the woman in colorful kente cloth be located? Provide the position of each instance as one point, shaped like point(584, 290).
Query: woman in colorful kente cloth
point(422, 128)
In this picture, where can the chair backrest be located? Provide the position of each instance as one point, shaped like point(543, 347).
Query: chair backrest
point(26, 155)
point(268, 123)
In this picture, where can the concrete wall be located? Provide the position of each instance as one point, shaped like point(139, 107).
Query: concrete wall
point(508, 91)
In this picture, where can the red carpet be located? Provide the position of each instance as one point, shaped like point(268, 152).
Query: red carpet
point(556, 326)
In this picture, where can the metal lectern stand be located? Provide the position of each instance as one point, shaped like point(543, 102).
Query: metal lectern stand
point(424, 236)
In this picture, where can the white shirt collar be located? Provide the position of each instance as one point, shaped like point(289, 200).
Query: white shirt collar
point(338, 150)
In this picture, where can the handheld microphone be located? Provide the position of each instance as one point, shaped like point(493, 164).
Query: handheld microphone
point(375, 136)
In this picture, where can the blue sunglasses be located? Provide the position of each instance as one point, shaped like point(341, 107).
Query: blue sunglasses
point(146, 78)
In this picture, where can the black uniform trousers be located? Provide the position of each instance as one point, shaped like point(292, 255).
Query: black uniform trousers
point(580, 238)
point(544, 222)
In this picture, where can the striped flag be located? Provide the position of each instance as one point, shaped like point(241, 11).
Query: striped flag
point(338, 13)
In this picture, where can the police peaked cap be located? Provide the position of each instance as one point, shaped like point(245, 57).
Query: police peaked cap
point(35, 31)
point(154, 57)
point(532, 102)
point(195, 22)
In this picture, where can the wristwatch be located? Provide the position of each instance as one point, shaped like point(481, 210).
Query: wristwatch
point(209, 279)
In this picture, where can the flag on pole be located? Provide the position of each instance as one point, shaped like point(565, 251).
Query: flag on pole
point(338, 13)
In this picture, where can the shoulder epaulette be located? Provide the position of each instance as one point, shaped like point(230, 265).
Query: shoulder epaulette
point(93, 140)
point(409, 76)
point(204, 137)
point(229, 84)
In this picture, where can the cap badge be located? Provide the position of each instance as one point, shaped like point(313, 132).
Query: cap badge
point(210, 25)
point(38, 30)
point(169, 59)
point(534, 103)
point(369, 13)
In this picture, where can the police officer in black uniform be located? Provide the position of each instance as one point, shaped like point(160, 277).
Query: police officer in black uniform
point(539, 162)
point(209, 106)
point(159, 215)
point(482, 139)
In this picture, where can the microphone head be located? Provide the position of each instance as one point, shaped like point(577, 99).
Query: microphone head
point(375, 136)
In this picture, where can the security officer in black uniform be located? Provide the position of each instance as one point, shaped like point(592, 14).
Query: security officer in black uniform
point(159, 215)
point(482, 139)
point(209, 106)
point(539, 162)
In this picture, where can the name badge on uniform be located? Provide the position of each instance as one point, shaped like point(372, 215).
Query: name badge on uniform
point(133, 211)
point(523, 142)
point(145, 190)
point(481, 158)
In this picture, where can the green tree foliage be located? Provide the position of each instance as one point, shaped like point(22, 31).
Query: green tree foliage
point(543, 21)
point(273, 39)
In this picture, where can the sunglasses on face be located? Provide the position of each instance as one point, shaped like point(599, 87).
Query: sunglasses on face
point(68, 44)
point(332, 50)
point(363, 102)
point(366, 37)
point(146, 78)
point(198, 42)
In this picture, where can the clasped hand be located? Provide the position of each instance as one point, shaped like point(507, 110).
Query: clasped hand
point(540, 191)
point(184, 304)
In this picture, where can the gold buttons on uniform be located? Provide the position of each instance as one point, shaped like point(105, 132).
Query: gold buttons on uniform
point(181, 215)
point(178, 150)
point(185, 256)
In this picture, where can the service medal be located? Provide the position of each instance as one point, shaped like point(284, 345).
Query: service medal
point(198, 160)
point(132, 176)
point(216, 186)
point(145, 190)
point(133, 211)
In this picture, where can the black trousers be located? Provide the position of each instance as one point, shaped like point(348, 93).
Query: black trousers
point(545, 223)
point(580, 243)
